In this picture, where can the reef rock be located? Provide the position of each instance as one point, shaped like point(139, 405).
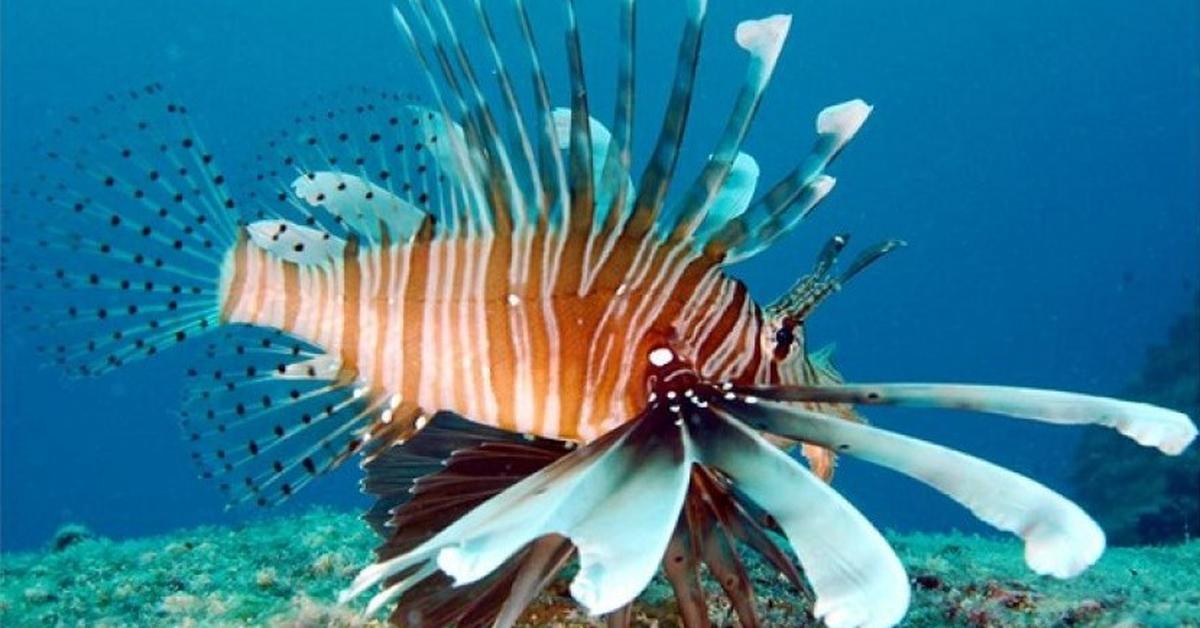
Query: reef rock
point(1138, 496)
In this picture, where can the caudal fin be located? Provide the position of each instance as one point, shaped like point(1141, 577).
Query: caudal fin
point(114, 251)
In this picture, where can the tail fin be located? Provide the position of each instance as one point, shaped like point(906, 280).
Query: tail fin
point(115, 251)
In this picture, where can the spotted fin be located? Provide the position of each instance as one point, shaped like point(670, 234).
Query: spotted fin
point(298, 244)
point(368, 210)
point(115, 250)
point(266, 413)
point(363, 163)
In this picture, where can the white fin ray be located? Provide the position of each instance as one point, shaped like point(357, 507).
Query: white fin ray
point(1061, 540)
point(366, 208)
point(295, 243)
point(857, 577)
point(1150, 426)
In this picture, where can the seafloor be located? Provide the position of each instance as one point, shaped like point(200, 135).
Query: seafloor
point(287, 572)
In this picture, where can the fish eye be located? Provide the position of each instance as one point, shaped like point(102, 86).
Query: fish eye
point(784, 336)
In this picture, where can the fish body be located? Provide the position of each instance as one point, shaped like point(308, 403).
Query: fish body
point(620, 400)
point(443, 323)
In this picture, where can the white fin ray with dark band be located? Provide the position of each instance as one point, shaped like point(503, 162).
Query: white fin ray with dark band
point(508, 206)
point(764, 40)
point(513, 109)
point(121, 257)
point(472, 164)
point(652, 188)
point(791, 199)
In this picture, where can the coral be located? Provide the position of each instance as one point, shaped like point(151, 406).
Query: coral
point(288, 571)
point(1138, 495)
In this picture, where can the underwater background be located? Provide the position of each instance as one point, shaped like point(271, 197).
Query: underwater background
point(1041, 159)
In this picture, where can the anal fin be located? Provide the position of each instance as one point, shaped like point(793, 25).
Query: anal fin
point(268, 413)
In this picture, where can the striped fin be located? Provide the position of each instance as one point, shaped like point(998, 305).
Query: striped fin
point(473, 166)
point(618, 163)
point(764, 40)
point(791, 199)
point(552, 172)
point(533, 211)
point(364, 163)
point(114, 252)
point(267, 413)
point(507, 200)
point(582, 184)
point(602, 142)
point(652, 189)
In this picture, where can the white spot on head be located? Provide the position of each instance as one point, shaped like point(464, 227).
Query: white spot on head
point(661, 356)
point(671, 394)
point(514, 300)
point(422, 421)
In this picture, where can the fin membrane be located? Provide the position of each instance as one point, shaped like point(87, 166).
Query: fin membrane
point(116, 248)
point(422, 486)
point(367, 163)
point(266, 413)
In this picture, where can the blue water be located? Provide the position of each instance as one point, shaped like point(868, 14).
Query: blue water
point(1040, 158)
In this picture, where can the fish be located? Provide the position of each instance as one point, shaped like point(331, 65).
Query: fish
point(536, 360)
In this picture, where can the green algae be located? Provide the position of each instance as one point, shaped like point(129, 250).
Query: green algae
point(288, 571)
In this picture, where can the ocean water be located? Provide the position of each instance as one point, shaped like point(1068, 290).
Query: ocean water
point(1041, 160)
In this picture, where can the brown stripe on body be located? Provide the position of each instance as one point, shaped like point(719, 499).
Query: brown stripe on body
point(539, 341)
point(259, 280)
point(729, 318)
point(351, 307)
point(291, 295)
point(413, 296)
point(502, 364)
point(383, 312)
point(237, 280)
point(452, 295)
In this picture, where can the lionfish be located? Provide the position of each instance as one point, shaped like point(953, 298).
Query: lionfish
point(539, 361)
